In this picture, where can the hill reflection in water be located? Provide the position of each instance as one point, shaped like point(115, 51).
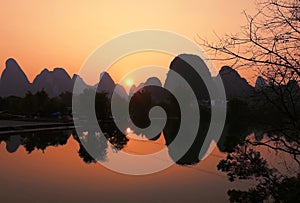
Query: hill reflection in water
point(60, 174)
point(49, 163)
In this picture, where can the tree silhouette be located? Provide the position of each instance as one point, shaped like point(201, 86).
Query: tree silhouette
point(269, 45)
point(245, 163)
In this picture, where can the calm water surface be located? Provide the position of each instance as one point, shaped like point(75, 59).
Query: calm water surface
point(59, 174)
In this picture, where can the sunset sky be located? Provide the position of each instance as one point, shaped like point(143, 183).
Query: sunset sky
point(49, 34)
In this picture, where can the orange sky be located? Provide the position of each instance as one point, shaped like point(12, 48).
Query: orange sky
point(63, 33)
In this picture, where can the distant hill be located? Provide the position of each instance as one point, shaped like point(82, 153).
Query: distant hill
point(260, 83)
point(156, 95)
point(13, 81)
point(53, 82)
point(135, 88)
point(185, 65)
point(235, 86)
point(120, 90)
point(80, 84)
point(106, 84)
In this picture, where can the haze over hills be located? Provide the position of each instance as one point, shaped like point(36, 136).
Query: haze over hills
point(14, 82)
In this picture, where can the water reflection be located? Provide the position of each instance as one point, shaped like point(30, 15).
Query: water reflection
point(35, 141)
point(239, 125)
point(244, 118)
point(97, 142)
point(59, 174)
point(13, 143)
point(231, 138)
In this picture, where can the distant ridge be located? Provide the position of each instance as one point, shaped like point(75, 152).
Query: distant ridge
point(14, 82)
point(53, 82)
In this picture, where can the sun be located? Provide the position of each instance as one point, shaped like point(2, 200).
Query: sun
point(129, 82)
point(128, 130)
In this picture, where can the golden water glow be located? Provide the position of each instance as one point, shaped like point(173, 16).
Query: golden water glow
point(128, 130)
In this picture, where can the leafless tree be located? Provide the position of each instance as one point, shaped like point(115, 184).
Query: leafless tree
point(270, 45)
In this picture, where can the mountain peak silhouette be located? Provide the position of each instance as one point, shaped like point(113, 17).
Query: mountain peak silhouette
point(193, 70)
point(61, 71)
point(225, 69)
point(14, 81)
point(260, 83)
point(11, 63)
point(80, 84)
point(153, 81)
point(106, 84)
point(53, 82)
point(45, 70)
point(235, 86)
